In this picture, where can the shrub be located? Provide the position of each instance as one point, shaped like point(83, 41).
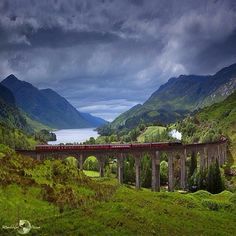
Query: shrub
point(215, 205)
point(146, 173)
point(214, 180)
point(210, 204)
point(114, 168)
point(71, 161)
point(225, 194)
point(201, 179)
point(202, 194)
point(91, 163)
point(232, 199)
point(6, 150)
point(108, 171)
point(186, 202)
point(129, 172)
point(193, 164)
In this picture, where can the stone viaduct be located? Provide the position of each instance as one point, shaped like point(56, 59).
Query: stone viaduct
point(176, 153)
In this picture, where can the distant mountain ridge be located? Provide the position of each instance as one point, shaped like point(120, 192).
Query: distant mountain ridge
point(47, 106)
point(178, 97)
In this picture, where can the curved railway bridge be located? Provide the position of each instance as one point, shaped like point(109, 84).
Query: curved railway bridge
point(176, 153)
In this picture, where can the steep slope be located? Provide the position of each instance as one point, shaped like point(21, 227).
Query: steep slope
point(121, 119)
point(14, 129)
point(179, 96)
point(210, 123)
point(96, 121)
point(223, 115)
point(10, 115)
point(191, 91)
point(46, 106)
point(6, 95)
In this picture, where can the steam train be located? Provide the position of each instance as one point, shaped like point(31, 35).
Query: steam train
point(107, 146)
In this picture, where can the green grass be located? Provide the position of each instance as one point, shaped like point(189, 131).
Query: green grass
point(127, 212)
point(150, 132)
point(91, 173)
point(25, 203)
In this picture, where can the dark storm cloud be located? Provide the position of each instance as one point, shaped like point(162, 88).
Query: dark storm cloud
point(56, 38)
point(105, 56)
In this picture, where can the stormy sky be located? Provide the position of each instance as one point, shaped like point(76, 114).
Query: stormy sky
point(105, 56)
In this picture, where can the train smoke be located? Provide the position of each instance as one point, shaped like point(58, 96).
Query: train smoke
point(175, 134)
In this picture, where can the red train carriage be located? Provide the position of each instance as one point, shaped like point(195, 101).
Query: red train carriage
point(120, 146)
point(97, 147)
point(162, 145)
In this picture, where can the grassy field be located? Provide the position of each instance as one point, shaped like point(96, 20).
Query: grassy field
point(91, 173)
point(150, 132)
point(127, 212)
point(144, 213)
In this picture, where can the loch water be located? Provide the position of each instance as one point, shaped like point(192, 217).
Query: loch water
point(74, 135)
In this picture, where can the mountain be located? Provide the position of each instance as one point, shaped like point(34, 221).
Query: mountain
point(47, 106)
point(10, 115)
point(6, 95)
point(96, 121)
point(178, 97)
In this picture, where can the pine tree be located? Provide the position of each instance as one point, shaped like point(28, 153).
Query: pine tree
point(218, 180)
point(201, 180)
point(192, 172)
point(210, 178)
point(146, 172)
point(214, 180)
point(193, 164)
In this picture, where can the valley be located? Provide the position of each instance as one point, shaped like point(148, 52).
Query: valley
point(118, 118)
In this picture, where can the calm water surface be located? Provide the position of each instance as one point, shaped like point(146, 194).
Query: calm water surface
point(74, 135)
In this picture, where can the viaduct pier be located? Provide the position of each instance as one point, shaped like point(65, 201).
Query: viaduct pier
point(176, 152)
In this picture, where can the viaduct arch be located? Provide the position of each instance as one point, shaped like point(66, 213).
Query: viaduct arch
point(207, 153)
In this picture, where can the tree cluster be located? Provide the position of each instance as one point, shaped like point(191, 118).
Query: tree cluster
point(210, 179)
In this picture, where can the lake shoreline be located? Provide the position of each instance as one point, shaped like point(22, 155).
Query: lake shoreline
point(74, 135)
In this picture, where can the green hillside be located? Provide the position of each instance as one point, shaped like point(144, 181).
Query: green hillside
point(48, 107)
point(150, 133)
point(10, 115)
point(223, 115)
point(59, 199)
point(17, 129)
point(177, 98)
point(211, 122)
point(35, 125)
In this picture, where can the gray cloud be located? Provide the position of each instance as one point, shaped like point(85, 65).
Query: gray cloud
point(106, 56)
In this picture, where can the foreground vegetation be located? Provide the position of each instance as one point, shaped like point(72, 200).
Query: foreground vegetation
point(63, 201)
point(149, 214)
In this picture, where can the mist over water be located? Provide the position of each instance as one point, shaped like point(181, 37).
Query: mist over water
point(74, 135)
